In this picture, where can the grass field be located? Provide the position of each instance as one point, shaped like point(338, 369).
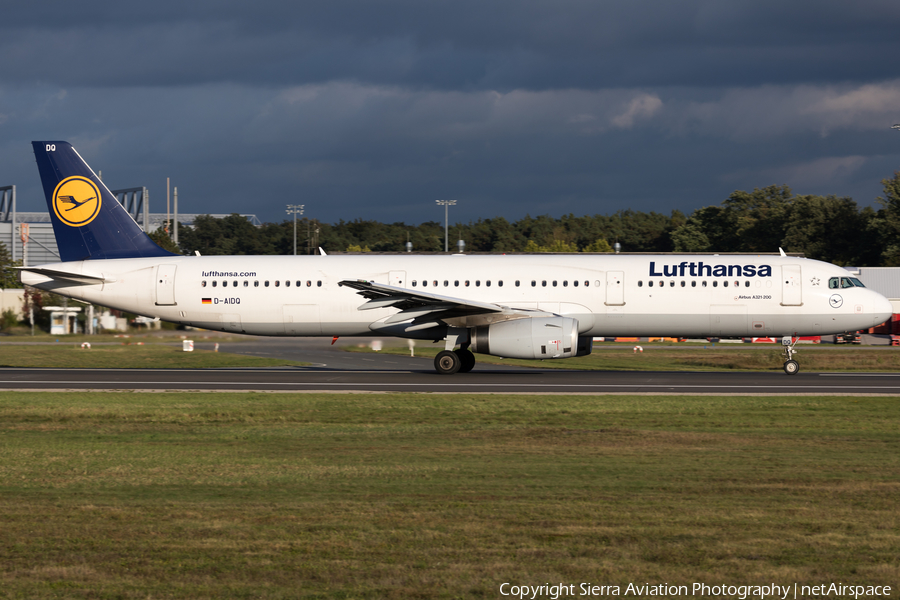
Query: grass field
point(121, 356)
point(695, 357)
point(201, 495)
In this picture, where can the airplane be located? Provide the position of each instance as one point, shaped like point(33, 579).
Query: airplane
point(513, 306)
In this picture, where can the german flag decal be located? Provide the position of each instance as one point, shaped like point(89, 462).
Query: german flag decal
point(206, 300)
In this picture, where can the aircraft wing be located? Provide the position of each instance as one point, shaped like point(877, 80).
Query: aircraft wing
point(413, 304)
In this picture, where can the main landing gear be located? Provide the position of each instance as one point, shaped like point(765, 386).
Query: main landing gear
point(449, 361)
point(791, 366)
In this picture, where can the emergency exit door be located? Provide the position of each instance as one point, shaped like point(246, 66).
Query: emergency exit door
point(615, 288)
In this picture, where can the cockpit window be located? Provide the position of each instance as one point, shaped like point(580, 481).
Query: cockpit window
point(844, 282)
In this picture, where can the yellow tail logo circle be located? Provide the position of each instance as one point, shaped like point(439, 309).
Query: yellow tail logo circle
point(76, 201)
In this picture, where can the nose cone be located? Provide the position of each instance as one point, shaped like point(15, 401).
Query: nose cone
point(882, 309)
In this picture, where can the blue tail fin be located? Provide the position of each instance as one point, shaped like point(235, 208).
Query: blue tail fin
point(87, 219)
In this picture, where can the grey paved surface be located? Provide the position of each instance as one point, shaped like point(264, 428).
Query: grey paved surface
point(334, 370)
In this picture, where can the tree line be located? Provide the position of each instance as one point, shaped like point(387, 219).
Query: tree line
point(830, 228)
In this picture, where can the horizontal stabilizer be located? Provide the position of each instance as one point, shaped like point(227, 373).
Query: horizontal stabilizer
point(80, 278)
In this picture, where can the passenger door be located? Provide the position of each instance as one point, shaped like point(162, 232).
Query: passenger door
point(165, 285)
point(791, 286)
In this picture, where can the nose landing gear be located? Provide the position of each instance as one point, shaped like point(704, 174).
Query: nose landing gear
point(791, 366)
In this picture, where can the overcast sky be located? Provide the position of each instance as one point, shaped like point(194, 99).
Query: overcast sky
point(373, 110)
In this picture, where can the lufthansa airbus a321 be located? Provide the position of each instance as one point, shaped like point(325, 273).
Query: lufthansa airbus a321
point(514, 306)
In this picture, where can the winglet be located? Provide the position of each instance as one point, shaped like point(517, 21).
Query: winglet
point(781, 251)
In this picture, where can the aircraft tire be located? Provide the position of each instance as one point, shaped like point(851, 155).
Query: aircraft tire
point(791, 367)
point(447, 362)
point(466, 360)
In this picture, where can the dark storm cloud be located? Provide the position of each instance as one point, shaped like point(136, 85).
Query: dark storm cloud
point(373, 110)
point(475, 44)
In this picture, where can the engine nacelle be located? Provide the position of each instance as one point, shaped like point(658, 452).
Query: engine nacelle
point(532, 338)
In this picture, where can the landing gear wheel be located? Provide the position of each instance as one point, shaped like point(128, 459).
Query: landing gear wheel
point(791, 367)
point(447, 362)
point(466, 360)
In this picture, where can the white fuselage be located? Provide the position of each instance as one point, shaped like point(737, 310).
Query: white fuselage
point(609, 295)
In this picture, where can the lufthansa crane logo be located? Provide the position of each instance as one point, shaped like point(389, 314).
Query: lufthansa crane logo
point(76, 201)
point(836, 301)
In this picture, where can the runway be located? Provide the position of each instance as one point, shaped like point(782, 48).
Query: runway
point(334, 370)
point(484, 380)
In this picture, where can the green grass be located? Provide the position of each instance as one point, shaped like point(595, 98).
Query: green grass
point(127, 356)
point(193, 495)
point(721, 357)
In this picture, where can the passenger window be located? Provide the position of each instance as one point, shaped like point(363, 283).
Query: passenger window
point(694, 283)
point(319, 283)
point(414, 283)
point(203, 283)
point(266, 284)
point(554, 283)
point(724, 283)
point(287, 284)
point(575, 283)
point(650, 283)
point(246, 283)
point(747, 283)
point(704, 284)
point(544, 283)
point(467, 283)
point(487, 283)
point(565, 283)
point(587, 283)
point(224, 284)
point(671, 284)
point(456, 283)
point(434, 283)
point(533, 283)
point(477, 283)
point(517, 283)
point(424, 283)
point(298, 283)
point(683, 284)
point(234, 284)
point(500, 283)
point(255, 284)
point(446, 283)
point(215, 283)
point(308, 283)
point(715, 284)
point(277, 284)
point(640, 283)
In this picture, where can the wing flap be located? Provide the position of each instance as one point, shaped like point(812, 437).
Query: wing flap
point(380, 295)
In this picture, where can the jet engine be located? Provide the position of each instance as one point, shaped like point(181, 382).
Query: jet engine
point(531, 338)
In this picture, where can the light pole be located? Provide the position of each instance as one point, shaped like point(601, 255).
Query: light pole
point(446, 204)
point(295, 209)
